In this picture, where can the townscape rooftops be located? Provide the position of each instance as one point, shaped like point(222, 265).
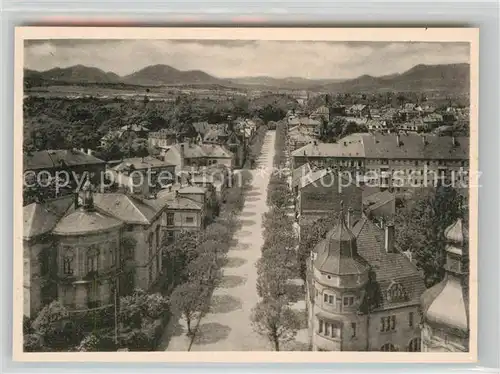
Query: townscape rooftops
point(55, 158)
point(126, 207)
point(191, 150)
point(350, 146)
point(135, 128)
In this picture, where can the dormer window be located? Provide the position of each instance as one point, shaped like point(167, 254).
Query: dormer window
point(396, 293)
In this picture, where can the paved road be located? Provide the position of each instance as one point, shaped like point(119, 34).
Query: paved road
point(227, 326)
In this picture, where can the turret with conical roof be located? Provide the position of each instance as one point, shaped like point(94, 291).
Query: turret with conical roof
point(337, 254)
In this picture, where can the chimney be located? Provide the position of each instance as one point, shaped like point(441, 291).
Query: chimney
point(398, 140)
point(76, 199)
point(89, 151)
point(424, 140)
point(389, 238)
point(454, 141)
point(181, 166)
point(349, 217)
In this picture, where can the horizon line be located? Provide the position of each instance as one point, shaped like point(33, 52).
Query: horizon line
point(247, 76)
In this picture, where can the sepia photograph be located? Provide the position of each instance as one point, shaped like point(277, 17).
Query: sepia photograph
point(196, 192)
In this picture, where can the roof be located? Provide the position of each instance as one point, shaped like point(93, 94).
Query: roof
point(357, 107)
point(214, 134)
point(135, 128)
point(389, 268)
point(350, 146)
point(376, 123)
point(192, 190)
point(382, 146)
point(378, 199)
point(413, 147)
point(200, 127)
point(191, 150)
point(41, 218)
point(216, 151)
point(337, 254)
point(55, 158)
point(177, 201)
point(82, 222)
point(433, 117)
point(306, 121)
point(322, 110)
point(128, 208)
point(139, 163)
point(299, 173)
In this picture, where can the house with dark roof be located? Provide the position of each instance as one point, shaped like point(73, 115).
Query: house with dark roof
point(401, 160)
point(70, 168)
point(77, 248)
point(362, 294)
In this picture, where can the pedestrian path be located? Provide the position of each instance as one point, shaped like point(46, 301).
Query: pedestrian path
point(227, 325)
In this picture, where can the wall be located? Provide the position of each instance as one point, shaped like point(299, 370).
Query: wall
point(77, 295)
point(32, 282)
point(402, 334)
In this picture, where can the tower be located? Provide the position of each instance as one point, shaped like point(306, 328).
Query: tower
point(336, 279)
point(445, 306)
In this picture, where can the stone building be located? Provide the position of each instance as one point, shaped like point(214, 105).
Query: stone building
point(362, 294)
point(445, 306)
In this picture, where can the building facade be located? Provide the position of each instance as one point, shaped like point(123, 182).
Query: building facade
point(362, 295)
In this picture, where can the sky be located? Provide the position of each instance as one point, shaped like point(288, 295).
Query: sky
point(232, 59)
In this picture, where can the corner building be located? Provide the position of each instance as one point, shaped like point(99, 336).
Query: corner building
point(362, 295)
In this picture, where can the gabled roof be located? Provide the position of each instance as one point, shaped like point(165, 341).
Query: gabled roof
point(389, 268)
point(178, 202)
point(41, 218)
point(350, 146)
point(357, 107)
point(135, 128)
point(200, 127)
point(81, 222)
point(54, 158)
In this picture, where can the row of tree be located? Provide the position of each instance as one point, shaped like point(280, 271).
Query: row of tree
point(272, 317)
point(196, 258)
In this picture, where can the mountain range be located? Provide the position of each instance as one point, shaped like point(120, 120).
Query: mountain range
point(453, 77)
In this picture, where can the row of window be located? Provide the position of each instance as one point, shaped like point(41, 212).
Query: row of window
point(92, 259)
point(389, 323)
point(170, 219)
point(332, 299)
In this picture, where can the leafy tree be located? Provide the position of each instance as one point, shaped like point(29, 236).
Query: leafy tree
point(139, 307)
point(274, 319)
point(188, 300)
point(420, 227)
point(32, 343)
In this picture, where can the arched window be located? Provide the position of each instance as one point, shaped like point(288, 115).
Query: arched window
point(388, 347)
point(92, 259)
point(396, 293)
point(68, 258)
point(415, 345)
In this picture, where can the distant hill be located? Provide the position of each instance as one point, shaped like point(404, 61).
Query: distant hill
point(166, 75)
point(74, 74)
point(450, 77)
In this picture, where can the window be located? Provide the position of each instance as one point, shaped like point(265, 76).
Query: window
point(353, 328)
point(92, 260)
point(157, 233)
point(112, 254)
point(415, 345)
point(189, 219)
point(348, 300)
point(329, 329)
point(170, 219)
point(68, 262)
point(320, 327)
point(327, 298)
point(388, 323)
point(410, 319)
